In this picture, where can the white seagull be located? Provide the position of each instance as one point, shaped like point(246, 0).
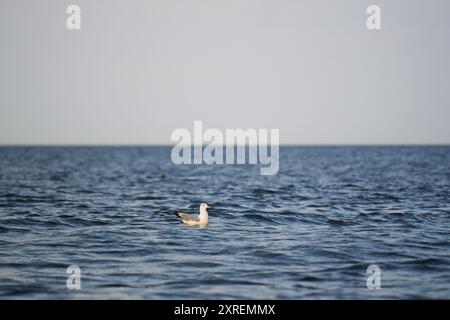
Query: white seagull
point(192, 220)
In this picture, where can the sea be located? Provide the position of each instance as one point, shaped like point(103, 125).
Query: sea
point(336, 222)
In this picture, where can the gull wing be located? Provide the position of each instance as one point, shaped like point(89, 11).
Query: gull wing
point(187, 217)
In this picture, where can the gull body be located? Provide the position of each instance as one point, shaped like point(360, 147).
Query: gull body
point(195, 220)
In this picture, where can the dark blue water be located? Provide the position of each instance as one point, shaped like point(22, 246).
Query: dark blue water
point(310, 231)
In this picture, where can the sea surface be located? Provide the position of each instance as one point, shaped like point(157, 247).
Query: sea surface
point(308, 232)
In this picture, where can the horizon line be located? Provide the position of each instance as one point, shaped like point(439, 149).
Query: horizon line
point(172, 145)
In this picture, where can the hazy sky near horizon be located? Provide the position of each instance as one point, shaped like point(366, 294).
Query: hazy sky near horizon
point(137, 70)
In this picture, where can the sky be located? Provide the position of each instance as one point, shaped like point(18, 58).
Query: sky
point(138, 70)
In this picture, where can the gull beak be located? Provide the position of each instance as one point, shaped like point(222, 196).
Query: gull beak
point(208, 206)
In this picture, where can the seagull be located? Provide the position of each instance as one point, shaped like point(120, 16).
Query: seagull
point(192, 220)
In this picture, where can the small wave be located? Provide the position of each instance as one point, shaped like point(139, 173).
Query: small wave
point(386, 196)
point(21, 198)
point(265, 191)
point(148, 197)
point(21, 290)
point(258, 218)
point(309, 278)
point(195, 264)
point(339, 222)
point(113, 285)
point(426, 262)
point(77, 221)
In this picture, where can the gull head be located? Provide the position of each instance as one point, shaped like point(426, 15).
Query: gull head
point(204, 206)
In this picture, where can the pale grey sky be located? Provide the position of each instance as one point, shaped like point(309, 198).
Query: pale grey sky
point(137, 70)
